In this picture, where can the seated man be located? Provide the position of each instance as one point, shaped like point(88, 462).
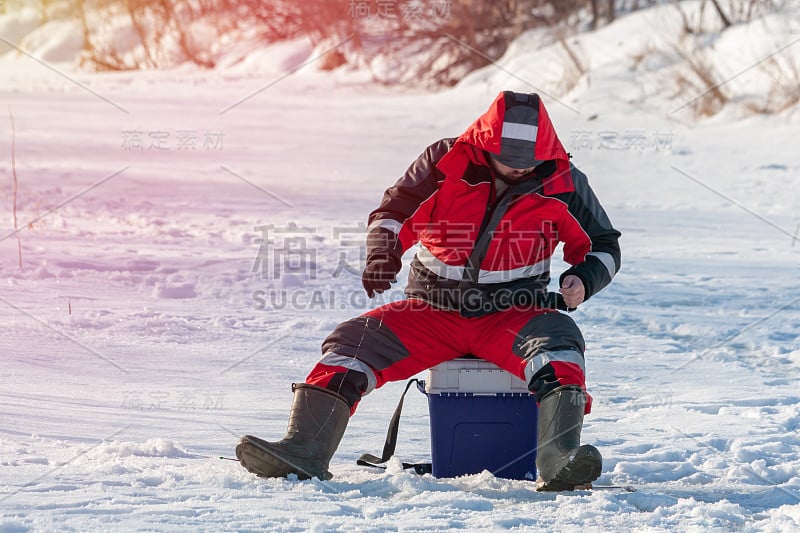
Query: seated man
point(488, 209)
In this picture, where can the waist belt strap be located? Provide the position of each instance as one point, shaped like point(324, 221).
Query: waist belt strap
point(389, 446)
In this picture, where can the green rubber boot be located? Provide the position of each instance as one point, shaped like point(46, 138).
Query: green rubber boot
point(561, 461)
point(316, 424)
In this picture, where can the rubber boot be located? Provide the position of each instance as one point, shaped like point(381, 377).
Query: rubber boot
point(562, 463)
point(316, 424)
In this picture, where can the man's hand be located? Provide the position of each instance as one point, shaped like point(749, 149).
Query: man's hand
point(573, 291)
point(379, 275)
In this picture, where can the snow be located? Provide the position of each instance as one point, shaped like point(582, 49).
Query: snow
point(139, 342)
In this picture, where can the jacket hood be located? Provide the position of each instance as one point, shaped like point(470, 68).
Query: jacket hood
point(487, 131)
point(487, 134)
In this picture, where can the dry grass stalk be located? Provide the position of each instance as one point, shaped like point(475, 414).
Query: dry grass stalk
point(15, 186)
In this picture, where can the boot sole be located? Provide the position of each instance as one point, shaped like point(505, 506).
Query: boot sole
point(259, 458)
point(585, 467)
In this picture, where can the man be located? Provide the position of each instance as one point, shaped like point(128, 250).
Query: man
point(487, 209)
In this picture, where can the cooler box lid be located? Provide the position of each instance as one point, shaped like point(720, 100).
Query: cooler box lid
point(472, 375)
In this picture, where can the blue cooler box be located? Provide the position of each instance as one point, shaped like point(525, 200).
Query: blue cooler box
point(482, 418)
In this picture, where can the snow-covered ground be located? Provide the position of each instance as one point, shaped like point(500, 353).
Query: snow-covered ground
point(158, 315)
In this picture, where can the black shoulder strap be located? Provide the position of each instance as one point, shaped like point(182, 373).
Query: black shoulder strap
point(389, 446)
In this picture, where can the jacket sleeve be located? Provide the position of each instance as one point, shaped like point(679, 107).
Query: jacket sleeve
point(406, 206)
point(599, 266)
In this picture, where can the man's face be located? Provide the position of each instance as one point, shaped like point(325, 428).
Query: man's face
point(510, 174)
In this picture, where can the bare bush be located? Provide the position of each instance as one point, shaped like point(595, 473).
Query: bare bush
point(780, 73)
point(469, 34)
point(729, 13)
point(427, 42)
point(163, 24)
point(784, 90)
point(703, 80)
point(451, 37)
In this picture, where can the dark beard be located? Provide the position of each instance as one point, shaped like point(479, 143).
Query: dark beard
point(512, 181)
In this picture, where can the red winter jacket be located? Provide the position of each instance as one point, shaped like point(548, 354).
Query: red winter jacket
point(480, 252)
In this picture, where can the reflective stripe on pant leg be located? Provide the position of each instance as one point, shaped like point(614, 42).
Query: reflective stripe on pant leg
point(348, 377)
point(547, 333)
point(538, 361)
point(553, 347)
point(557, 374)
point(368, 340)
point(353, 354)
point(334, 360)
point(389, 343)
point(551, 337)
point(547, 338)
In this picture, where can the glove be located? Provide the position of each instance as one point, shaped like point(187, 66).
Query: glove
point(379, 274)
